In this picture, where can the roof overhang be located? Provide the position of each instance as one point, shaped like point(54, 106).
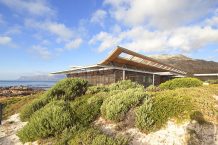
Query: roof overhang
point(205, 75)
point(124, 57)
point(127, 57)
point(100, 67)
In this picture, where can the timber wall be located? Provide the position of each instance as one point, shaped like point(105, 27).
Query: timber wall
point(111, 76)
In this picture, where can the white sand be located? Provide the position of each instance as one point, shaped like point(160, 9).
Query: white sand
point(8, 130)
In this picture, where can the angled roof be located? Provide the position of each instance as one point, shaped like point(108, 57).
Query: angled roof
point(124, 57)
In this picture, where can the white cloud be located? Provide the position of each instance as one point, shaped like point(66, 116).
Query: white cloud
point(5, 40)
point(212, 21)
point(105, 39)
point(60, 30)
point(160, 25)
point(160, 13)
point(74, 44)
point(33, 7)
point(191, 38)
point(140, 39)
point(41, 51)
point(98, 17)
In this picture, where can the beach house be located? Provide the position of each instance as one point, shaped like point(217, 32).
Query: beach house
point(124, 64)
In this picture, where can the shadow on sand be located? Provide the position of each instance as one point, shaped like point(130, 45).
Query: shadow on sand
point(201, 132)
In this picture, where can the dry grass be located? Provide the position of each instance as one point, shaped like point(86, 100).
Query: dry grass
point(12, 105)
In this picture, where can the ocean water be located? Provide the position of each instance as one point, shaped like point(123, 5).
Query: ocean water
point(32, 84)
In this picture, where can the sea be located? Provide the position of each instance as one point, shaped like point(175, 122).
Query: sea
point(31, 84)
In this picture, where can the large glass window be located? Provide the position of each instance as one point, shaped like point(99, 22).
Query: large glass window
point(148, 79)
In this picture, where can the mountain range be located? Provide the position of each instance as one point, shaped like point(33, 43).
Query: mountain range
point(41, 78)
point(188, 64)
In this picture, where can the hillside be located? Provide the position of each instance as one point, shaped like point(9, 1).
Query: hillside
point(123, 113)
point(188, 64)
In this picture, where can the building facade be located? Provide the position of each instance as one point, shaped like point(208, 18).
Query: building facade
point(124, 64)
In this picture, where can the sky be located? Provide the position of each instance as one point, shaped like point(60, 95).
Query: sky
point(43, 36)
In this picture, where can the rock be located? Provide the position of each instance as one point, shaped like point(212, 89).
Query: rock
point(202, 134)
point(17, 91)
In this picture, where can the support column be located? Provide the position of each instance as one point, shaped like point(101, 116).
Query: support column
point(153, 79)
point(124, 74)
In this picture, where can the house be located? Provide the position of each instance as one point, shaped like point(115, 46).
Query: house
point(206, 77)
point(123, 64)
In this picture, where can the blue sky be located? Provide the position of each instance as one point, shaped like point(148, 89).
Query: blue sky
point(42, 36)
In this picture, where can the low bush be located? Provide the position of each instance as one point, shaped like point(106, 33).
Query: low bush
point(87, 109)
point(203, 101)
point(66, 89)
point(116, 106)
point(152, 88)
point(65, 136)
point(93, 136)
point(49, 121)
point(181, 83)
point(179, 104)
point(35, 105)
point(97, 89)
point(124, 85)
point(155, 112)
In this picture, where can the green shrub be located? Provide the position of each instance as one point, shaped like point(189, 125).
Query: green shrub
point(87, 109)
point(152, 88)
point(155, 112)
point(48, 121)
point(179, 104)
point(65, 136)
point(92, 136)
point(203, 101)
point(115, 107)
point(181, 83)
point(97, 89)
point(66, 89)
point(35, 105)
point(124, 85)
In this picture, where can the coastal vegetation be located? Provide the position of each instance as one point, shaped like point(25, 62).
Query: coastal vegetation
point(67, 116)
point(66, 89)
point(213, 81)
point(12, 105)
point(181, 83)
point(116, 106)
point(177, 105)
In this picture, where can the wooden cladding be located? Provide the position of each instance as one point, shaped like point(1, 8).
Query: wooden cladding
point(112, 76)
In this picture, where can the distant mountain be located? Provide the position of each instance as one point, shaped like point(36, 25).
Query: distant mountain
point(188, 64)
point(42, 78)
